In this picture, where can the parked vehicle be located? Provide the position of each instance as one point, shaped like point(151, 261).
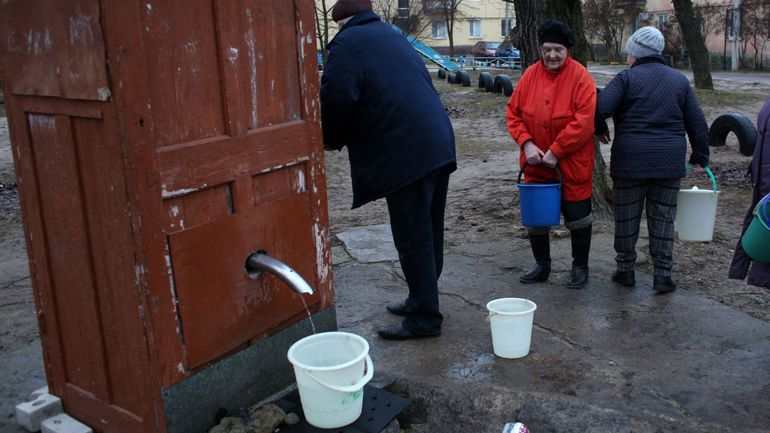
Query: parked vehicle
point(506, 49)
point(485, 49)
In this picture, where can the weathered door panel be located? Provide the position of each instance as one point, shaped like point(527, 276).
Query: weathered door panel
point(54, 49)
point(201, 135)
point(221, 307)
point(234, 119)
point(77, 219)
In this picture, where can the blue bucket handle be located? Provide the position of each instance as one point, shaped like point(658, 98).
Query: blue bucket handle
point(556, 168)
point(688, 166)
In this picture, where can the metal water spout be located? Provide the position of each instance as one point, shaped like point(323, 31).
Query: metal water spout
point(260, 261)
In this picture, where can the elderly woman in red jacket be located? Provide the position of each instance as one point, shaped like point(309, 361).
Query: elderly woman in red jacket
point(551, 117)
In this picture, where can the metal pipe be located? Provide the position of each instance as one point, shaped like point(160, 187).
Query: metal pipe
point(259, 261)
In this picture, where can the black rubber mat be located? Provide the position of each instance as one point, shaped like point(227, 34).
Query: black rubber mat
point(379, 409)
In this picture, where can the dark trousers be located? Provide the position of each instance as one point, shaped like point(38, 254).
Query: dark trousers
point(658, 196)
point(417, 222)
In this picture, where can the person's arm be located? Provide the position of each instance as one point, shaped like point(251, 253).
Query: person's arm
point(697, 129)
point(516, 126)
point(340, 84)
point(610, 98)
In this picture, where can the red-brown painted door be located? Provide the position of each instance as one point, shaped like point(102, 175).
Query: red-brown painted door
point(157, 145)
point(224, 100)
point(70, 171)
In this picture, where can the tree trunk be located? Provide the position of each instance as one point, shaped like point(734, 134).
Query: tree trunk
point(570, 12)
point(322, 29)
point(529, 15)
point(696, 46)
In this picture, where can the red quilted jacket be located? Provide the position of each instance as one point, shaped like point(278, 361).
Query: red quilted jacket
point(556, 111)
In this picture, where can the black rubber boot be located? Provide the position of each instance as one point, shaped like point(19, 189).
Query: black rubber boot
point(624, 278)
point(578, 277)
point(538, 274)
point(663, 284)
point(541, 249)
point(581, 247)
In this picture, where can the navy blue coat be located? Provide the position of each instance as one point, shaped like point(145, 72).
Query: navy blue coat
point(652, 106)
point(378, 99)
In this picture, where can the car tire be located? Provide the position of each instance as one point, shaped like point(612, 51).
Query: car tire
point(441, 73)
point(485, 81)
point(739, 125)
point(462, 77)
point(503, 85)
point(450, 77)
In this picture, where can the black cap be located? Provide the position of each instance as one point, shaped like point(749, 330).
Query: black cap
point(557, 32)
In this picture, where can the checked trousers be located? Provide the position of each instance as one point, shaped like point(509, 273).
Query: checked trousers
point(658, 197)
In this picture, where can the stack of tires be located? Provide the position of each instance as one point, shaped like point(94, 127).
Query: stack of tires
point(499, 84)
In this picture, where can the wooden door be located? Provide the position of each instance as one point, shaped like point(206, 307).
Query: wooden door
point(70, 171)
point(225, 101)
point(157, 145)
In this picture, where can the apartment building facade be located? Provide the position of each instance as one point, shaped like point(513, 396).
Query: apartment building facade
point(720, 24)
point(475, 20)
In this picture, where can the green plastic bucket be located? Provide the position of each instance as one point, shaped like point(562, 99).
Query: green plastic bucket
point(756, 239)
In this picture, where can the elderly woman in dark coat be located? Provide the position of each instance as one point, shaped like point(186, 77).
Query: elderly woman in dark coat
point(759, 275)
point(653, 106)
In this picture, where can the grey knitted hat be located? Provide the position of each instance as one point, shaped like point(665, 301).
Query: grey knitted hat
point(647, 41)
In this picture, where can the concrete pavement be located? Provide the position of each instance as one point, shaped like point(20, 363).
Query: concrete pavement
point(603, 359)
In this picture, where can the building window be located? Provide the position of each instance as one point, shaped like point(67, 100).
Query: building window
point(731, 15)
point(506, 24)
point(403, 9)
point(662, 20)
point(641, 20)
point(439, 30)
point(474, 27)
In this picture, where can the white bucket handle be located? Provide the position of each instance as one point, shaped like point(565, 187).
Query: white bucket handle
point(349, 388)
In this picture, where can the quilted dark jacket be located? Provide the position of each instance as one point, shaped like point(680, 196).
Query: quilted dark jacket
point(652, 106)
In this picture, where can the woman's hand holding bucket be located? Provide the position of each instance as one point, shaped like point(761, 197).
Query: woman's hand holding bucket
point(550, 159)
point(533, 154)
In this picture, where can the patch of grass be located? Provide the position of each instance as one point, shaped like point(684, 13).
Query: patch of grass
point(722, 98)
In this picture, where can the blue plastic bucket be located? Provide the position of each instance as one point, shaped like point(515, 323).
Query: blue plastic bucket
point(540, 202)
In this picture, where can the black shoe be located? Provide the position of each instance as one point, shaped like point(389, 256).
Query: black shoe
point(663, 284)
point(624, 278)
point(538, 274)
point(578, 277)
point(398, 332)
point(398, 308)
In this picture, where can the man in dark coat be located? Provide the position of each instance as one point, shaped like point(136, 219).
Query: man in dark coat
point(759, 275)
point(378, 99)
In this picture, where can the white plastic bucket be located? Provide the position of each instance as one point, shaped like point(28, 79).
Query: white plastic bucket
point(331, 370)
point(696, 211)
point(511, 321)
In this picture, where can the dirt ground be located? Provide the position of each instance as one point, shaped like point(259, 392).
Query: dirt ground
point(482, 206)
